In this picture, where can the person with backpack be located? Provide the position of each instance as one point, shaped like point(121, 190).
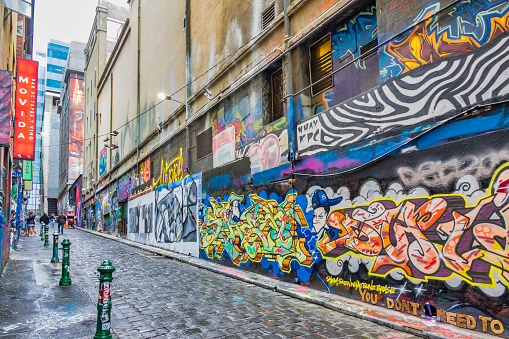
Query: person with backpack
point(31, 223)
point(61, 222)
point(44, 219)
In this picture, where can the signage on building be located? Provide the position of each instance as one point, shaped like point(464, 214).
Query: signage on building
point(76, 128)
point(22, 7)
point(26, 104)
point(20, 28)
point(27, 185)
point(16, 174)
point(27, 170)
point(5, 107)
point(223, 147)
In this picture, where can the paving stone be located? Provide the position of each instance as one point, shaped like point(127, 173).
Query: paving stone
point(167, 298)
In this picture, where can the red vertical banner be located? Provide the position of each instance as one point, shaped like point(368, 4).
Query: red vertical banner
point(26, 108)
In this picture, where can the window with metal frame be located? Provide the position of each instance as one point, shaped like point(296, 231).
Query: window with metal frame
point(320, 65)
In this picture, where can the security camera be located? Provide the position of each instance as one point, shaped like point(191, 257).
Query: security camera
point(207, 93)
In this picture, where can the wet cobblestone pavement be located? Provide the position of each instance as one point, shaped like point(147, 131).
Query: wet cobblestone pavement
point(156, 297)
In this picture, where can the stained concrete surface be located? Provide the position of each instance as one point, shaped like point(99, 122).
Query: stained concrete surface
point(32, 305)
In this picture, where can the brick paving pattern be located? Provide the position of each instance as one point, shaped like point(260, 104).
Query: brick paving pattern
point(156, 297)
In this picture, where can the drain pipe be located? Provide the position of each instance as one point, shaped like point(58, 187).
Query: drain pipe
point(138, 82)
point(289, 86)
point(188, 80)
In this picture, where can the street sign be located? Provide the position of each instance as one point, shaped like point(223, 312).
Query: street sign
point(27, 170)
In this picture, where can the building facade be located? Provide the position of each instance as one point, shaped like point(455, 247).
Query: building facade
point(56, 61)
point(71, 123)
point(353, 147)
point(16, 41)
point(107, 26)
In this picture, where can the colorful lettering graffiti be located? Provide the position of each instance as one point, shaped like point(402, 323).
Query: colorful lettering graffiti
point(170, 172)
point(336, 281)
point(265, 230)
point(471, 25)
point(428, 238)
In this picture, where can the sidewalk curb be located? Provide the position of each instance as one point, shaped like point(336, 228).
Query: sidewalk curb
point(376, 314)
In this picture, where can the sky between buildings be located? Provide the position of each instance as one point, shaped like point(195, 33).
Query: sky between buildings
point(64, 20)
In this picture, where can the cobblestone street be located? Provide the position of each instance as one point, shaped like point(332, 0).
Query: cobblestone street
point(158, 297)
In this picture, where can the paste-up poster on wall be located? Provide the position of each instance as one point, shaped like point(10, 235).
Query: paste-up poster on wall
point(5, 107)
point(102, 162)
point(223, 147)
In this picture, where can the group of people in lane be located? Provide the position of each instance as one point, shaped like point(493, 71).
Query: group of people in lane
point(29, 222)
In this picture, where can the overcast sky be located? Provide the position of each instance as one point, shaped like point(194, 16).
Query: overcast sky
point(64, 20)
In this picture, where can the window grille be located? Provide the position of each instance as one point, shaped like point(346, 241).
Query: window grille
point(320, 65)
point(204, 144)
point(268, 15)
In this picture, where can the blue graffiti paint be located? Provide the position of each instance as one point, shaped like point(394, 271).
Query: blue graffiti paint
point(357, 32)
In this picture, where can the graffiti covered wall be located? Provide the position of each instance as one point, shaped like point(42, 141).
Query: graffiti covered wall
point(398, 200)
point(168, 217)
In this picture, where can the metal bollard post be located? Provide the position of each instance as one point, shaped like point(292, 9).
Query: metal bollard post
point(46, 229)
point(55, 248)
point(65, 280)
point(104, 303)
point(42, 231)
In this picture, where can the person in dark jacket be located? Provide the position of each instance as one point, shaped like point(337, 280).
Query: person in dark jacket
point(45, 219)
point(31, 223)
point(61, 222)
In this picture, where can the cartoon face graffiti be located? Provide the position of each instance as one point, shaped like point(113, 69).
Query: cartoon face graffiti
point(321, 208)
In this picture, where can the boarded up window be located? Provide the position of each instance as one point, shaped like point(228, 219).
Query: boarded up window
point(320, 65)
point(278, 93)
point(204, 144)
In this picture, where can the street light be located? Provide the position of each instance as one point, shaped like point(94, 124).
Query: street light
point(163, 96)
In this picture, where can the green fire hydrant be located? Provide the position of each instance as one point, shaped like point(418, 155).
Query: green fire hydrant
point(55, 248)
point(42, 231)
point(46, 230)
point(104, 303)
point(65, 280)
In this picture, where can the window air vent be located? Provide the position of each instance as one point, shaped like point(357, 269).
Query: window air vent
point(369, 49)
point(268, 15)
point(204, 144)
point(320, 65)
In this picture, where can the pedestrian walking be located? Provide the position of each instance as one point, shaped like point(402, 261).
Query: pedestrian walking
point(45, 219)
point(31, 223)
point(61, 222)
point(52, 220)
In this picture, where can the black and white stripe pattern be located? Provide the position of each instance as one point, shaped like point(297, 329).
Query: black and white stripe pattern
point(421, 98)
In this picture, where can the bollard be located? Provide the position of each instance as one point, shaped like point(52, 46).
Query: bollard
point(46, 229)
point(104, 303)
point(42, 231)
point(65, 280)
point(55, 248)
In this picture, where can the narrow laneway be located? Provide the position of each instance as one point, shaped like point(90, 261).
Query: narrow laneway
point(155, 296)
